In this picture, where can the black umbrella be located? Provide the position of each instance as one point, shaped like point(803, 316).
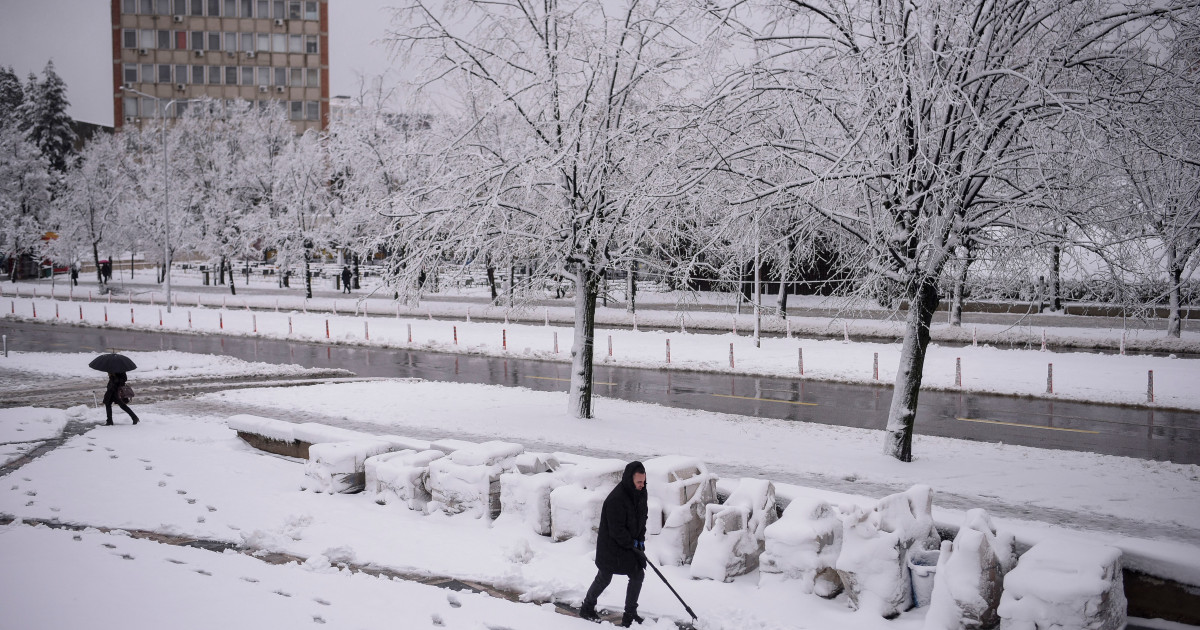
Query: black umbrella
point(112, 363)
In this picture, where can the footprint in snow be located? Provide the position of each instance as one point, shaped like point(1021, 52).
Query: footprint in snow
point(174, 561)
point(88, 450)
point(200, 519)
point(282, 593)
point(77, 537)
point(26, 479)
point(30, 503)
point(190, 501)
point(211, 508)
point(30, 493)
point(437, 620)
point(127, 556)
point(54, 509)
point(162, 484)
point(108, 449)
point(320, 601)
point(168, 474)
point(453, 599)
point(109, 545)
point(113, 457)
point(144, 461)
point(318, 619)
point(203, 572)
point(149, 468)
point(250, 579)
point(15, 487)
point(181, 492)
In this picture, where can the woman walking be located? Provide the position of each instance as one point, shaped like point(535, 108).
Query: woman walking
point(112, 394)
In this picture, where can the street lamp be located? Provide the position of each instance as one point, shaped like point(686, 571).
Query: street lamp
point(166, 189)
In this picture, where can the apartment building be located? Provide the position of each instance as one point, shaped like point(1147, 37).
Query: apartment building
point(166, 52)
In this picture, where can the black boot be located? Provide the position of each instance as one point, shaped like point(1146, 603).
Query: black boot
point(628, 618)
point(588, 611)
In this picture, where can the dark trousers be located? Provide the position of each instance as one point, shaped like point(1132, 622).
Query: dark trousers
point(603, 578)
point(108, 403)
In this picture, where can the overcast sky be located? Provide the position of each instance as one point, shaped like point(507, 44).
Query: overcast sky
point(77, 35)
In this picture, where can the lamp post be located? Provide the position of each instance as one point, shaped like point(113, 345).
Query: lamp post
point(166, 190)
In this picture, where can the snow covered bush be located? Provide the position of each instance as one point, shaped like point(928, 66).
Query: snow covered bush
point(468, 480)
point(401, 477)
point(734, 532)
point(804, 544)
point(876, 544)
point(970, 576)
point(339, 467)
point(683, 486)
point(1063, 584)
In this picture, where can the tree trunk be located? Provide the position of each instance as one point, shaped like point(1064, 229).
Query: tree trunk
point(1055, 278)
point(491, 276)
point(1175, 271)
point(901, 416)
point(232, 288)
point(131, 265)
point(357, 284)
point(96, 261)
point(307, 278)
point(960, 284)
point(512, 283)
point(587, 283)
point(631, 288)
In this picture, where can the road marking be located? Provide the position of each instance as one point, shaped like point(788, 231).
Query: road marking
point(1031, 426)
point(789, 402)
point(551, 378)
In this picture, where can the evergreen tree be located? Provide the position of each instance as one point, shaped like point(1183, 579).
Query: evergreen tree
point(44, 118)
point(11, 96)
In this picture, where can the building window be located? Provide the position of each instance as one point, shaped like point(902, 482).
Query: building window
point(294, 10)
point(277, 9)
point(247, 75)
point(163, 7)
point(278, 42)
point(262, 9)
point(164, 73)
point(179, 7)
point(230, 8)
point(129, 38)
point(197, 7)
point(314, 78)
point(247, 8)
point(297, 110)
point(214, 8)
point(231, 42)
point(231, 75)
point(310, 44)
point(264, 42)
point(164, 40)
point(128, 7)
point(131, 106)
point(197, 40)
point(297, 77)
point(295, 43)
point(147, 73)
point(130, 74)
point(280, 76)
point(312, 110)
point(310, 10)
point(181, 40)
point(214, 41)
point(247, 42)
point(146, 7)
point(264, 76)
point(198, 75)
point(181, 74)
point(214, 75)
point(146, 39)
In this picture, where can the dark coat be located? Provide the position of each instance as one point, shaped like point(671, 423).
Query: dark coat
point(115, 381)
point(345, 276)
point(622, 521)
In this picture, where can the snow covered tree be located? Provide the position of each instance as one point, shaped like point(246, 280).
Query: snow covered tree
point(25, 183)
point(927, 113)
point(44, 118)
point(93, 189)
point(557, 148)
point(12, 95)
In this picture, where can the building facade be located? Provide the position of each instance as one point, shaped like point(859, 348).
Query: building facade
point(255, 50)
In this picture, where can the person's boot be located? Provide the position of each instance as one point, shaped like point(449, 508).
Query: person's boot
point(588, 611)
point(135, 420)
point(108, 424)
point(628, 618)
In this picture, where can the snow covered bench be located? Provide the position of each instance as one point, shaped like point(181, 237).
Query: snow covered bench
point(803, 545)
point(267, 434)
point(1065, 584)
point(970, 576)
point(680, 488)
point(876, 546)
point(400, 477)
point(734, 532)
point(310, 433)
point(468, 479)
point(339, 467)
point(575, 505)
point(525, 492)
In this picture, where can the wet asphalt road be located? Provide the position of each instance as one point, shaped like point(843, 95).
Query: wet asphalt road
point(1144, 433)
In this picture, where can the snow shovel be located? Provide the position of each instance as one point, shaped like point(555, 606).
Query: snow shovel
point(664, 579)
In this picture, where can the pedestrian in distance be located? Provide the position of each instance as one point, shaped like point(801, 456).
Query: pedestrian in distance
point(345, 279)
point(621, 544)
point(75, 274)
point(112, 395)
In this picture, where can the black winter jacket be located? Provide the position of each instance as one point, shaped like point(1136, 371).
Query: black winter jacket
point(622, 521)
point(115, 381)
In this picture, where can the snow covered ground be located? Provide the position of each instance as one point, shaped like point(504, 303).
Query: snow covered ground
point(1078, 375)
point(182, 472)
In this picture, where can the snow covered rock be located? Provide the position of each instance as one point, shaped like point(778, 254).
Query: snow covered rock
point(733, 536)
point(970, 576)
point(1064, 584)
point(876, 545)
point(468, 480)
point(804, 545)
point(683, 487)
point(401, 477)
point(339, 467)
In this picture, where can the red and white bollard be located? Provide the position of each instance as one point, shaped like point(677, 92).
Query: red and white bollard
point(366, 330)
point(455, 335)
point(504, 339)
point(800, 360)
point(1049, 378)
point(735, 326)
point(289, 326)
point(668, 350)
point(731, 364)
point(189, 319)
point(56, 310)
point(635, 322)
point(160, 317)
point(547, 316)
point(106, 313)
point(556, 342)
point(221, 320)
point(958, 371)
point(410, 333)
point(1043, 340)
point(131, 316)
point(610, 346)
point(1150, 386)
point(34, 304)
point(974, 335)
point(81, 313)
point(254, 323)
point(326, 328)
point(875, 369)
